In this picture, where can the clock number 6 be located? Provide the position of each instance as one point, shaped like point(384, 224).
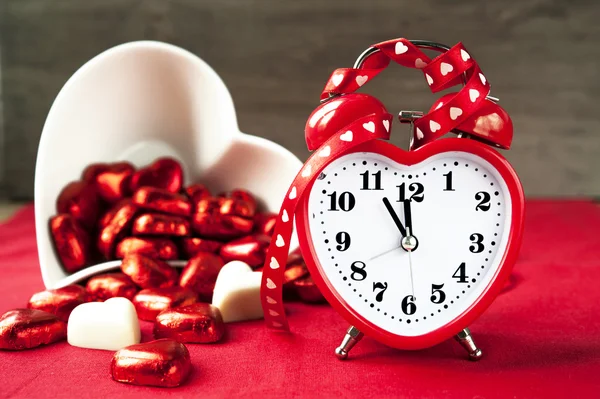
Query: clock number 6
point(408, 305)
point(437, 289)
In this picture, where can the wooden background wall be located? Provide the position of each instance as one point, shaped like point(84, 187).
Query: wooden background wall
point(274, 55)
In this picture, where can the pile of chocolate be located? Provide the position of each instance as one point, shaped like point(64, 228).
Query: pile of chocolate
point(147, 218)
point(115, 211)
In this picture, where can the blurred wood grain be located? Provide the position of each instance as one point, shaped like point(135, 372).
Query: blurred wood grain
point(275, 55)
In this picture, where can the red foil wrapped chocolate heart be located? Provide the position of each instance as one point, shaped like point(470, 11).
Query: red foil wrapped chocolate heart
point(251, 249)
point(307, 290)
point(147, 272)
point(192, 245)
point(159, 224)
point(245, 203)
point(198, 323)
point(71, 242)
point(161, 248)
point(161, 363)
point(293, 272)
point(196, 192)
point(60, 302)
point(79, 199)
point(164, 173)
point(200, 274)
point(156, 199)
point(151, 301)
point(29, 328)
point(232, 206)
point(121, 218)
point(93, 170)
point(209, 222)
point(110, 285)
point(106, 216)
point(264, 223)
point(113, 183)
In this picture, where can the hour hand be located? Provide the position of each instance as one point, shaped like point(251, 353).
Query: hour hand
point(394, 216)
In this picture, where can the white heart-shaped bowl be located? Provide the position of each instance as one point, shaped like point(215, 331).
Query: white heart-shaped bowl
point(139, 101)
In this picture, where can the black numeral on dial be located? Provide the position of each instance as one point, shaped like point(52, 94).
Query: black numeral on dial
point(408, 305)
point(343, 240)
point(437, 295)
point(358, 271)
point(365, 181)
point(477, 240)
point(417, 189)
point(484, 201)
point(380, 286)
point(461, 273)
point(448, 182)
point(346, 201)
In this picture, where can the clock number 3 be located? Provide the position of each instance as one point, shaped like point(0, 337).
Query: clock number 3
point(477, 240)
point(382, 287)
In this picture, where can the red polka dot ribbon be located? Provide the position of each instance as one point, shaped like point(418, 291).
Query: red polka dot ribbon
point(440, 73)
point(443, 72)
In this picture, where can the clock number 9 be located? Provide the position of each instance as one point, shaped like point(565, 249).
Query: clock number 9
point(343, 239)
point(437, 289)
point(408, 305)
point(417, 196)
point(346, 201)
point(477, 240)
point(484, 201)
point(358, 268)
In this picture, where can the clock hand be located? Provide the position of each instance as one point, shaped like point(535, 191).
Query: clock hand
point(412, 281)
point(409, 242)
point(408, 218)
point(394, 216)
point(385, 253)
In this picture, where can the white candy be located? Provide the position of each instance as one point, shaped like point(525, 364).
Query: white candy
point(109, 325)
point(237, 292)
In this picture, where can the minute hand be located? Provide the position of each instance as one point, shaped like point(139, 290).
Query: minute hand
point(394, 216)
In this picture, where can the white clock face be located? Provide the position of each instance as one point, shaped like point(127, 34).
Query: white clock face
point(459, 215)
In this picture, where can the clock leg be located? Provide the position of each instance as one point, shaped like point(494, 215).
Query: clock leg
point(353, 335)
point(466, 340)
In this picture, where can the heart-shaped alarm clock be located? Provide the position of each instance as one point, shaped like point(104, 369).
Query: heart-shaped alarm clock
point(410, 247)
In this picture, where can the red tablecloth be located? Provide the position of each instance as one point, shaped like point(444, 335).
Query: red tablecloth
point(540, 340)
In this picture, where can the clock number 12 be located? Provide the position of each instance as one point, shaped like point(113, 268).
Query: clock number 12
point(417, 195)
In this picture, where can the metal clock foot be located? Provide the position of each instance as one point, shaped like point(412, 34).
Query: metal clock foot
point(353, 335)
point(466, 340)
